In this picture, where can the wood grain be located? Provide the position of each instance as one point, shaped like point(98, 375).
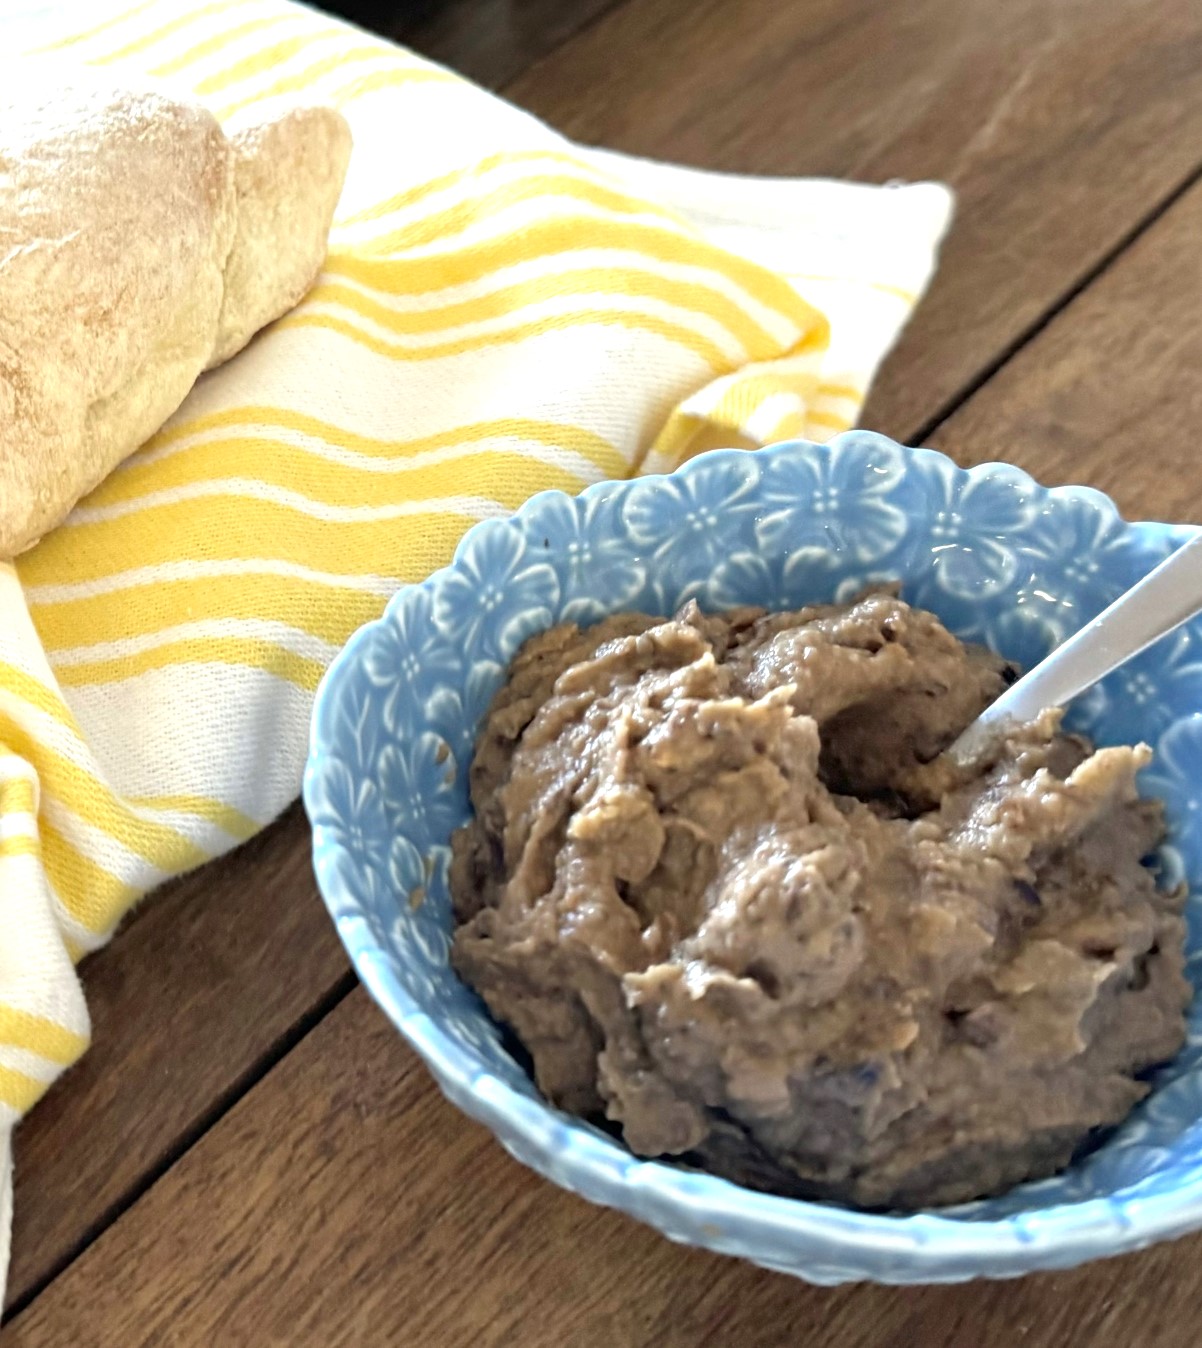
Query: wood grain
point(1060, 123)
point(1109, 394)
point(342, 1201)
point(206, 982)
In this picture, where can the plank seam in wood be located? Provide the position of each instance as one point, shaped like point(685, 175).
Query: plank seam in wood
point(219, 1108)
point(1033, 329)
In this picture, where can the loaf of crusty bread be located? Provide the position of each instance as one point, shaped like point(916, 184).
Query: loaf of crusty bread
point(139, 245)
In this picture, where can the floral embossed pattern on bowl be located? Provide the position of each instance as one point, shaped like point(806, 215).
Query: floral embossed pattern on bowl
point(998, 557)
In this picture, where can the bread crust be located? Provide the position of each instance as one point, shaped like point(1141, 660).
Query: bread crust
point(139, 246)
point(288, 175)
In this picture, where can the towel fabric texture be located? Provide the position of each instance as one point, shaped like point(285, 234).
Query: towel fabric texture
point(502, 311)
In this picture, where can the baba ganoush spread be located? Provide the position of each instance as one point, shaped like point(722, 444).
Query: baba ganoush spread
point(730, 898)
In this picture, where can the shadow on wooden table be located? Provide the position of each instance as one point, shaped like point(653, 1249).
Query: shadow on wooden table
point(490, 41)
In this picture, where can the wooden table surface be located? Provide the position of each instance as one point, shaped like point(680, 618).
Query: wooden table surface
point(249, 1154)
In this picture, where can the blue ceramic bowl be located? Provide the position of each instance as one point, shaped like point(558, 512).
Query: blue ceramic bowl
point(998, 557)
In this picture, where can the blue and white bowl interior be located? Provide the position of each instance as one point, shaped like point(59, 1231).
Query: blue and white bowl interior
point(999, 558)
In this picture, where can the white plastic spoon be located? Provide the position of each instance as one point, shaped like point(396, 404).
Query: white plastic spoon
point(1153, 607)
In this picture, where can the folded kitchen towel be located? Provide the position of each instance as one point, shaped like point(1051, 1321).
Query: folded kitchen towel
point(501, 311)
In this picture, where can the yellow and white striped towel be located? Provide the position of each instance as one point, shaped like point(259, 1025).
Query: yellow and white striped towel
point(501, 311)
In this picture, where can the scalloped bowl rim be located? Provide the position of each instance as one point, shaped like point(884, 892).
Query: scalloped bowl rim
point(1091, 1228)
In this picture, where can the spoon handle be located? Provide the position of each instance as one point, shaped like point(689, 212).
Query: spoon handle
point(1165, 598)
